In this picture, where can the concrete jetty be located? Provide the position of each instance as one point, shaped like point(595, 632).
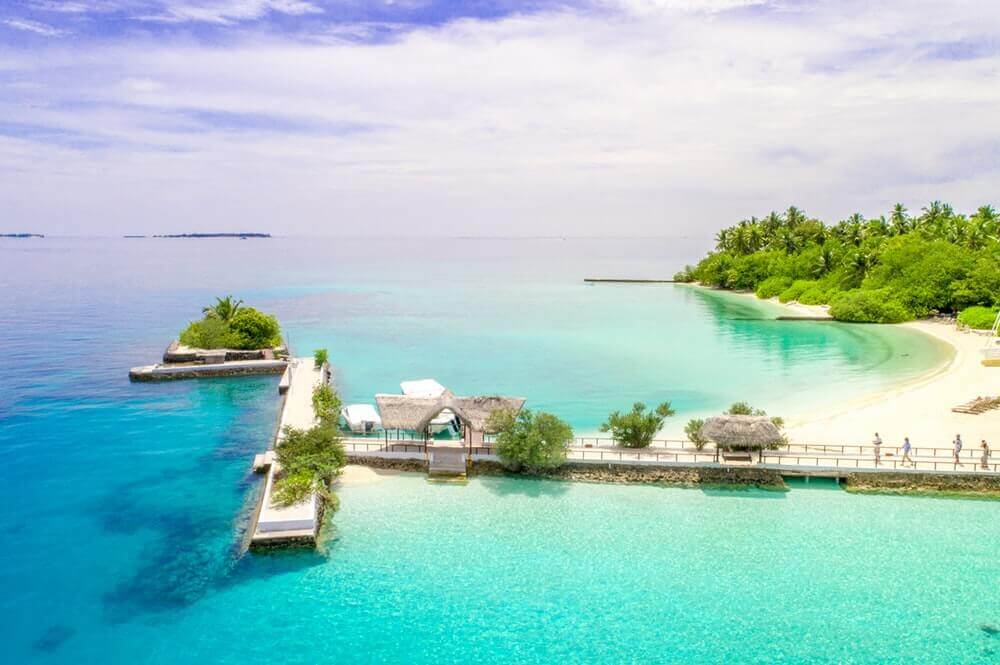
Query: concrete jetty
point(173, 371)
point(298, 523)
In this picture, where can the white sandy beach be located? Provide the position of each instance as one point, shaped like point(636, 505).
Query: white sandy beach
point(355, 474)
point(920, 409)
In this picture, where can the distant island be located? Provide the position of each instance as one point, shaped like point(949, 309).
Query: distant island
point(21, 235)
point(208, 235)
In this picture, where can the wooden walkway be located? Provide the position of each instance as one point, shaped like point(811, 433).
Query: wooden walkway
point(832, 461)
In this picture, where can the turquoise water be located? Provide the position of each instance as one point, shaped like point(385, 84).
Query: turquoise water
point(124, 504)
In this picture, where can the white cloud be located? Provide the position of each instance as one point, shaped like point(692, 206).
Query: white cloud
point(561, 123)
point(32, 26)
point(229, 11)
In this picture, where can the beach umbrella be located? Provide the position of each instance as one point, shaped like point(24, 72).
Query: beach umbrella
point(741, 432)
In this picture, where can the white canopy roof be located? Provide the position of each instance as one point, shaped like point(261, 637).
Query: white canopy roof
point(422, 388)
point(361, 413)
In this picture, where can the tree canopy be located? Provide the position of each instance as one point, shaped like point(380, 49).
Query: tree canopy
point(530, 441)
point(884, 269)
point(228, 324)
point(636, 428)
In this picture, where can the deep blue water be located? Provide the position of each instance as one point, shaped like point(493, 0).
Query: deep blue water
point(124, 504)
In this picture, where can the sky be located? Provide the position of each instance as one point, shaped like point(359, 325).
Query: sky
point(489, 118)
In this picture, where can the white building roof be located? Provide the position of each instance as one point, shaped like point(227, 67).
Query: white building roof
point(361, 413)
point(422, 388)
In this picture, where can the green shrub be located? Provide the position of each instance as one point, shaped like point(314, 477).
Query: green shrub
point(309, 460)
point(685, 275)
point(637, 428)
point(980, 318)
point(325, 403)
point(869, 306)
point(814, 295)
point(209, 333)
point(530, 441)
point(693, 431)
point(252, 329)
point(772, 286)
point(797, 288)
point(320, 357)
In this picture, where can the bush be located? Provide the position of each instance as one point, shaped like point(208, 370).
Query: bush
point(693, 431)
point(637, 428)
point(797, 288)
point(320, 357)
point(309, 460)
point(685, 275)
point(980, 318)
point(209, 333)
point(531, 441)
point(325, 403)
point(869, 306)
point(252, 329)
point(814, 295)
point(772, 286)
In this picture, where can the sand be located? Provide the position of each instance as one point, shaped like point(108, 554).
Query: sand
point(355, 474)
point(920, 408)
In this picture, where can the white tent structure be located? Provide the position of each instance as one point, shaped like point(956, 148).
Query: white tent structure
point(361, 418)
point(991, 354)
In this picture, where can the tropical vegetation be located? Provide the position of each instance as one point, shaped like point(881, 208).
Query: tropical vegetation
point(882, 270)
point(310, 459)
point(979, 318)
point(530, 441)
point(320, 357)
point(228, 324)
point(636, 428)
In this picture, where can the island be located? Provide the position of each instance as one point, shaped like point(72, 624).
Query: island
point(241, 236)
point(21, 235)
point(230, 339)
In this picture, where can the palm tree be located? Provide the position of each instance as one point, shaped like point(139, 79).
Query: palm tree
point(723, 239)
point(825, 262)
point(224, 309)
point(794, 217)
point(772, 223)
point(899, 219)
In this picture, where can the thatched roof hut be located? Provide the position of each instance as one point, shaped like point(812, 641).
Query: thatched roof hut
point(415, 413)
point(741, 432)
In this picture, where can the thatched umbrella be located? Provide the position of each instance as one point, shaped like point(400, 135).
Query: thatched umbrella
point(741, 432)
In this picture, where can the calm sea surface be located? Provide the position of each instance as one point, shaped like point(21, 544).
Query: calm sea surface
point(123, 505)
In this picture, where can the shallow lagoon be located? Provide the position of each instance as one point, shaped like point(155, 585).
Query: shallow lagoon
point(124, 504)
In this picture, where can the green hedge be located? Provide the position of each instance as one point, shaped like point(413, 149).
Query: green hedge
point(875, 306)
point(772, 286)
point(980, 318)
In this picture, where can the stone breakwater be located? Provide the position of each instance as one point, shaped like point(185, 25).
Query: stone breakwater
point(608, 473)
point(689, 476)
point(194, 371)
point(924, 483)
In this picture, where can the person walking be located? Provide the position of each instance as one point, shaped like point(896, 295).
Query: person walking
point(877, 443)
point(985, 459)
point(906, 452)
point(957, 449)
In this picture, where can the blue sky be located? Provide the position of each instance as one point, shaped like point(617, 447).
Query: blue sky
point(584, 117)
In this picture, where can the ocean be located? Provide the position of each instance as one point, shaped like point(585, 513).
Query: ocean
point(125, 504)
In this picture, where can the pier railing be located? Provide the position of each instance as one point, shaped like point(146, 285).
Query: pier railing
point(792, 458)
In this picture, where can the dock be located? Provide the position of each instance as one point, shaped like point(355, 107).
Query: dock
point(299, 523)
point(177, 371)
point(614, 280)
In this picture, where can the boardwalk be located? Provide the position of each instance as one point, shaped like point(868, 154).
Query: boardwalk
point(795, 459)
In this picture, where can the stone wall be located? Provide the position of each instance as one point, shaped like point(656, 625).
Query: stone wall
point(387, 463)
point(923, 483)
point(688, 476)
point(199, 371)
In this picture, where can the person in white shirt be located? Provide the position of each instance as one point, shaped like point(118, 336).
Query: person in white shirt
point(957, 447)
point(877, 442)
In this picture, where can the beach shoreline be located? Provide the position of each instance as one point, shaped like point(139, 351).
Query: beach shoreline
point(919, 407)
